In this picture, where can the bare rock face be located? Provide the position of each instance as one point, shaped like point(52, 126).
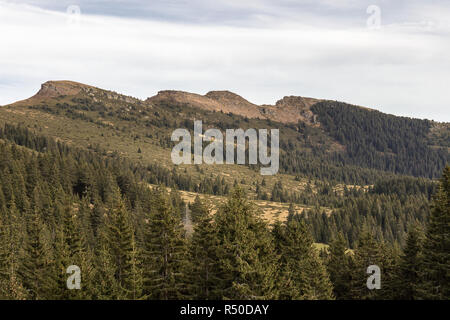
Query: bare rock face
point(233, 103)
point(296, 102)
point(52, 89)
point(185, 98)
point(287, 110)
point(229, 99)
point(299, 108)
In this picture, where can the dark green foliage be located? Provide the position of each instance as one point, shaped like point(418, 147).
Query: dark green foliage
point(436, 247)
point(62, 206)
point(409, 271)
point(203, 251)
point(246, 264)
point(387, 215)
point(381, 141)
point(123, 249)
point(199, 210)
point(303, 274)
point(338, 266)
point(165, 250)
point(367, 253)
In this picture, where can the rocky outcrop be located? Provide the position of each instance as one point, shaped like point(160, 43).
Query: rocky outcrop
point(181, 98)
point(51, 89)
point(287, 110)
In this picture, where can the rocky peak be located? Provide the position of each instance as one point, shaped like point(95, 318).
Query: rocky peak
point(51, 89)
point(296, 101)
point(227, 97)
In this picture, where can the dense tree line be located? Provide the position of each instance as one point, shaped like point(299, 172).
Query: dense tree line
point(380, 141)
point(387, 208)
point(387, 216)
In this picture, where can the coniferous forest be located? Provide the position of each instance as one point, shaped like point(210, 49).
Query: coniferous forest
point(63, 206)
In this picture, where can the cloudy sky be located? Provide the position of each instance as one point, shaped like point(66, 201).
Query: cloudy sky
point(389, 55)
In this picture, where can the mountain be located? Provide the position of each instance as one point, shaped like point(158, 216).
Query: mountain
point(57, 89)
point(320, 139)
point(87, 171)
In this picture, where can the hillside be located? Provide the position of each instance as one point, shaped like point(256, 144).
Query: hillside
point(86, 179)
point(334, 152)
point(319, 139)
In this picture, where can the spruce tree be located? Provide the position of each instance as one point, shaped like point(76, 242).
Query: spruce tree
point(301, 261)
point(371, 252)
point(107, 286)
point(203, 256)
point(71, 249)
point(10, 283)
point(198, 209)
point(338, 266)
point(35, 269)
point(436, 247)
point(246, 263)
point(123, 248)
point(164, 256)
point(408, 274)
point(366, 253)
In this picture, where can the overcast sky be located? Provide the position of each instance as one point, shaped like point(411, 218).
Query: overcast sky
point(397, 62)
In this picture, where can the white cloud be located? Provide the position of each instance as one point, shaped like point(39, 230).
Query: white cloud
point(400, 69)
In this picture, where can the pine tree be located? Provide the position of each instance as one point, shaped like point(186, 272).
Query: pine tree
point(338, 266)
point(408, 274)
point(436, 247)
point(35, 269)
point(246, 257)
point(198, 209)
point(123, 248)
point(135, 278)
point(164, 256)
point(203, 256)
point(390, 265)
point(368, 252)
point(10, 284)
point(300, 260)
point(107, 286)
point(72, 249)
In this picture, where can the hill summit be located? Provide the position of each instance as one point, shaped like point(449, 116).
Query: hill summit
point(52, 89)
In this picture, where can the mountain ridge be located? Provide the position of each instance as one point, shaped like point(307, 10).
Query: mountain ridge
point(289, 109)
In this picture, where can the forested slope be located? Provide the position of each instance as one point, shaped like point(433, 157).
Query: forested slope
point(62, 206)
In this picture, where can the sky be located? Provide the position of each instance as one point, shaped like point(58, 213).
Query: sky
point(384, 54)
